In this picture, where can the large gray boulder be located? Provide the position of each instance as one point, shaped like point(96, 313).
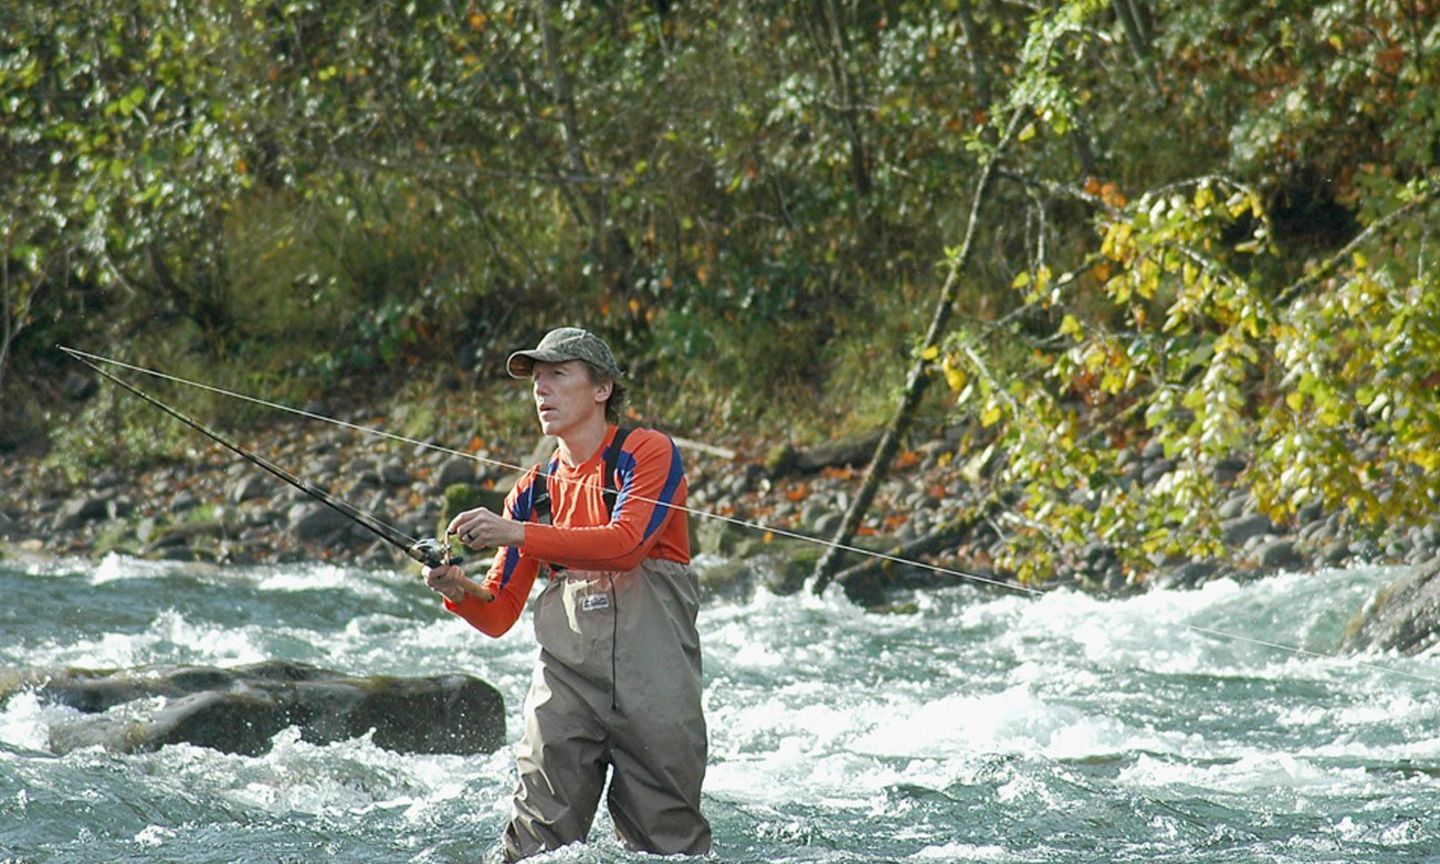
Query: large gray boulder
point(1404, 616)
point(240, 710)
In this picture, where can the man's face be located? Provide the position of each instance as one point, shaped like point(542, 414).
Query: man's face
point(566, 397)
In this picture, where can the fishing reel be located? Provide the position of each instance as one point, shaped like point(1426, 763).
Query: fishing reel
point(433, 553)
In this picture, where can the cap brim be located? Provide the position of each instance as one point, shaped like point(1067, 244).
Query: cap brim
point(521, 363)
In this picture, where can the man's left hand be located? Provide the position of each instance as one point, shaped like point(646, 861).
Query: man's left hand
point(481, 529)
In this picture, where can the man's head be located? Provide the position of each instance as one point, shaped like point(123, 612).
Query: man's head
point(572, 343)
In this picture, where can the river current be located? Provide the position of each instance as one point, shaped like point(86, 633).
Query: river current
point(983, 727)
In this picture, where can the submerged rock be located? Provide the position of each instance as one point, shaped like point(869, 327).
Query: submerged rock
point(1403, 616)
point(240, 710)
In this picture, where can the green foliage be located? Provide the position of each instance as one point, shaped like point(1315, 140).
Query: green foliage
point(115, 430)
point(753, 200)
point(1192, 323)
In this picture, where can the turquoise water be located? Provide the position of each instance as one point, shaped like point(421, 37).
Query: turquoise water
point(985, 727)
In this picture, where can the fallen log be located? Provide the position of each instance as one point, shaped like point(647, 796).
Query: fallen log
point(863, 582)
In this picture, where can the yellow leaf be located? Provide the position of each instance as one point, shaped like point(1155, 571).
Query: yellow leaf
point(990, 416)
point(1295, 401)
point(930, 353)
point(1027, 133)
point(954, 376)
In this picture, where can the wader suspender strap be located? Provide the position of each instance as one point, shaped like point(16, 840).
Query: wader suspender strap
point(541, 505)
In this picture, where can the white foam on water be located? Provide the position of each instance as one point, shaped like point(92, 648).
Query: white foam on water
point(155, 836)
point(361, 583)
point(1253, 773)
point(962, 852)
point(25, 722)
point(364, 584)
point(170, 638)
point(342, 780)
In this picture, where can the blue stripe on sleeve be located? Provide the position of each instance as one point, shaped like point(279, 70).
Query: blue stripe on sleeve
point(521, 511)
point(626, 465)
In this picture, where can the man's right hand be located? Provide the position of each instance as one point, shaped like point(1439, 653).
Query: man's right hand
point(451, 583)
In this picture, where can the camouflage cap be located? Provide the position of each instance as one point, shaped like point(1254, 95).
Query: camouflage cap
point(561, 344)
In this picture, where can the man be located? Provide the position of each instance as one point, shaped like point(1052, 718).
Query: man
point(617, 684)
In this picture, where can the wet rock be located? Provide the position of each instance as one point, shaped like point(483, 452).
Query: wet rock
point(1364, 549)
point(1155, 470)
point(1403, 616)
point(393, 472)
point(720, 537)
point(311, 522)
point(183, 535)
point(1310, 514)
point(184, 502)
point(240, 710)
point(726, 578)
point(1235, 506)
point(322, 466)
point(454, 470)
point(78, 511)
point(1189, 575)
point(1279, 555)
point(1241, 529)
point(252, 487)
point(828, 523)
point(1227, 471)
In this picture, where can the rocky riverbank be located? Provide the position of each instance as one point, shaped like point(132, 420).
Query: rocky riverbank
point(215, 507)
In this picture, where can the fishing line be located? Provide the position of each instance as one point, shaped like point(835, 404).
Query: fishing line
point(499, 463)
point(742, 523)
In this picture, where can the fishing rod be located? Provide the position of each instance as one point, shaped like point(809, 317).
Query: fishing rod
point(435, 547)
point(429, 551)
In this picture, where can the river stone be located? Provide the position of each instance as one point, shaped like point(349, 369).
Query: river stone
point(1227, 471)
point(1241, 529)
point(1235, 506)
point(240, 710)
point(725, 578)
point(393, 472)
point(310, 522)
point(252, 487)
point(454, 470)
point(78, 511)
point(1403, 616)
point(1280, 554)
point(1188, 575)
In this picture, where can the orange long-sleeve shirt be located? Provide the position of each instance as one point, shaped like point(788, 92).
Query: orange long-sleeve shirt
point(644, 524)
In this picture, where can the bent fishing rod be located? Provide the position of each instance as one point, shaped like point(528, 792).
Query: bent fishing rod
point(429, 551)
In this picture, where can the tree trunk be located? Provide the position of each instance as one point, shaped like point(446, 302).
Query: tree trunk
point(10, 314)
point(1138, 37)
point(919, 379)
point(611, 245)
point(834, 45)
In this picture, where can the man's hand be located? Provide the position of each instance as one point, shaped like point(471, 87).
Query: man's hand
point(451, 583)
point(481, 529)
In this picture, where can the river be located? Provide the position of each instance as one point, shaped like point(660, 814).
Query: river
point(983, 727)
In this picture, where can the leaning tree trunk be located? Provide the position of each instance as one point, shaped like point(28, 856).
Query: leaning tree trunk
point(918, 380)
